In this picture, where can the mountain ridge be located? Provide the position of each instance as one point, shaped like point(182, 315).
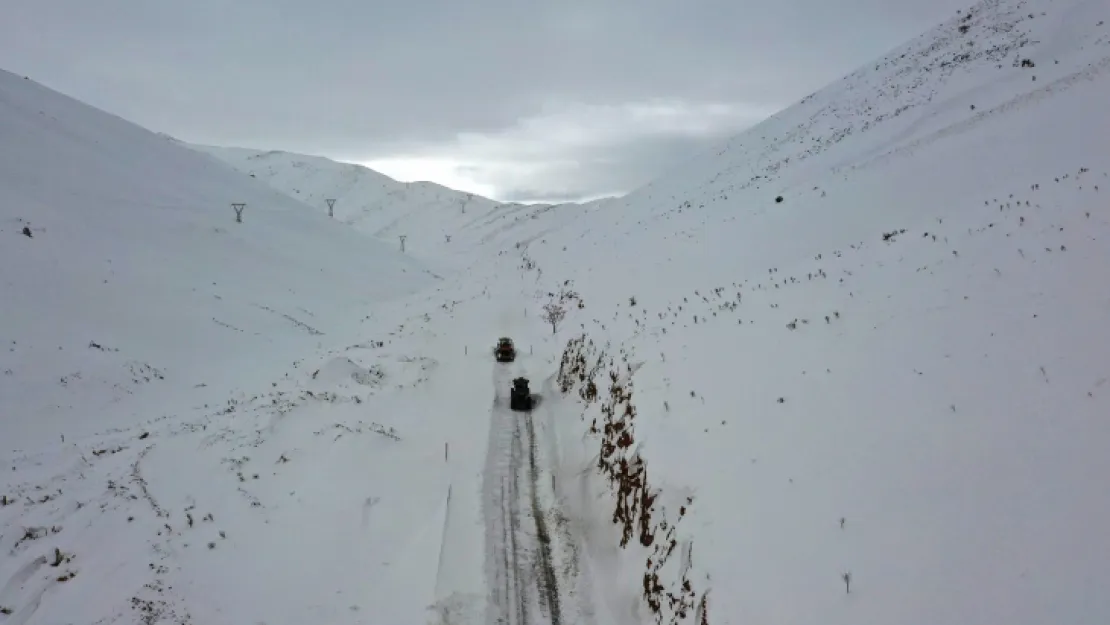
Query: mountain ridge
point(428, 214)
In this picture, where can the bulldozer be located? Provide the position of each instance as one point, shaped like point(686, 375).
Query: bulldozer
point(520, 398)
point(504, 351)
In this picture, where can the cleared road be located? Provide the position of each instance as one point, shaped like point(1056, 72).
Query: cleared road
point(524, 587)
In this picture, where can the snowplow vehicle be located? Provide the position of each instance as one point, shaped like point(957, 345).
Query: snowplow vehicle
point(504, 351)
point(520, 398)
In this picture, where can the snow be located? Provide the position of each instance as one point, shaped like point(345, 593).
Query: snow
point(440, 225)
point(896, 373)
point(137, 313)
point(137, 283)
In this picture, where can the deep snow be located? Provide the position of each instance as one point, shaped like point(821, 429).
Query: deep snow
point(137, 284)
point(895, 373)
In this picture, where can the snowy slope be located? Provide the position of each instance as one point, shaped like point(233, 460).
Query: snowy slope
point(135, 247)
point(141, 327)
point(897, 371)
point(437, 222)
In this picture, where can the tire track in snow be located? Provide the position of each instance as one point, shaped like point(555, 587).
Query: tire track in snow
point(513, 558)
point(520, 596)
point(548, 584)
point(506, 602)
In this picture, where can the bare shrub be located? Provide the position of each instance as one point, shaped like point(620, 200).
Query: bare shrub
point(553, 313)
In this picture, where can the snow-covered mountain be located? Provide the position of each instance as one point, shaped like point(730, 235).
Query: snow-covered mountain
point(849, 367)
point(135, 247)
point(139, 321)
point(866, 336)
point(437, 222)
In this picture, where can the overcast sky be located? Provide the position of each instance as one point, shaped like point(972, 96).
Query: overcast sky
point(518, 100)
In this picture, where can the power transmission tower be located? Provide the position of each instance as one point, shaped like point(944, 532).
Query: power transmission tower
point(238, 206)
point(403, 237)
point(331, 207)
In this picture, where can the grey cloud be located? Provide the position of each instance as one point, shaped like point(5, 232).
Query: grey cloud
point(608, 170)
point(585, 151)
point(358, 77)
point(611, 170)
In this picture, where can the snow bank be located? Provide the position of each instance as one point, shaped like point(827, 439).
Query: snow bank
point(645, 519)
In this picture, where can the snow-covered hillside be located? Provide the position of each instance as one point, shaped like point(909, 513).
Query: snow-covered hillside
point(868, 338)
point(438, 223)
point(137, 309)
point(135, 247)
point(849, 367)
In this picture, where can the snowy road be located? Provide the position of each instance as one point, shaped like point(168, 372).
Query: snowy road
point(520, 566)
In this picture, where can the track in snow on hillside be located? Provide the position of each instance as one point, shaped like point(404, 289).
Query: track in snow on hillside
point(524, 588)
